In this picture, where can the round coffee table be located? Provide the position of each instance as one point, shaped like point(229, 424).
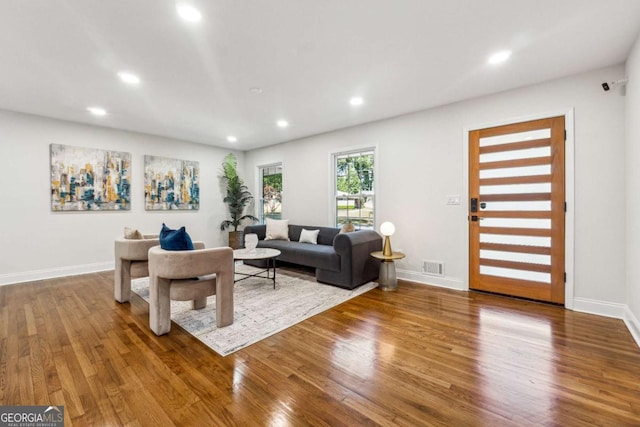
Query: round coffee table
point(267, 254)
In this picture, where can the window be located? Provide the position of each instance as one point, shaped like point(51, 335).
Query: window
point(354, 188)
point(271, 192)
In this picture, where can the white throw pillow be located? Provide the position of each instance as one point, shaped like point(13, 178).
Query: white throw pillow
point(277, 229)
point(309, 236)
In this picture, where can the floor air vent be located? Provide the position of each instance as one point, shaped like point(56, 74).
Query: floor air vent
point(433, 268)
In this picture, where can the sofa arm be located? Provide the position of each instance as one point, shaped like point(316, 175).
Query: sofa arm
point(131, 257)
point(356, 264)
point(344, 241)
point(134, 250)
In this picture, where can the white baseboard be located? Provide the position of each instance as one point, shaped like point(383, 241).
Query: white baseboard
point(426, 279)
point(632, 324)
point(30, 276)
point(601, 308)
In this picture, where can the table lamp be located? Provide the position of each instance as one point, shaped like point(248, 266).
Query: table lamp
point(387, 229)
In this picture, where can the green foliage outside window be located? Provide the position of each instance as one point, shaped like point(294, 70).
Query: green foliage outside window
point(272, 193)
point(355, 174)
point(355, 189)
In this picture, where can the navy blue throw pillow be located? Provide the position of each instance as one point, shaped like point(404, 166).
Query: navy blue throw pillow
point(175, 240)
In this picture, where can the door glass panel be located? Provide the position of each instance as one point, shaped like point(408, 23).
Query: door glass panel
point(517, 206)
point(516, 223)
point(515, 256)
point(515, 137)
point(515, 154)
point(516, 274)
point(520, 171)
point(515, 240)
point(516, 188)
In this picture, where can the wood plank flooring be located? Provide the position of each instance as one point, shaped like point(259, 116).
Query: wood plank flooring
point(418, 356)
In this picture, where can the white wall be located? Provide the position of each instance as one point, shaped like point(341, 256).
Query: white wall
point(38, 243)
point(633, 190)
point(420, 161)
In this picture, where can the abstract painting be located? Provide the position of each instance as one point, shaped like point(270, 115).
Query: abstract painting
point(171, 184)
point(89, 179)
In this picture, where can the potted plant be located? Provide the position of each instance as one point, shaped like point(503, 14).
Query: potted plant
point(237, 199)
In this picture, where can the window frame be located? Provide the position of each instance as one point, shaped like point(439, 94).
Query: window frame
point(333, 190)
point(260, 180)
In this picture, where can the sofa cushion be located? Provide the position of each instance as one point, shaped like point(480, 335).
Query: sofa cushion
point(309, 236)
point(175, 240)
point(319, 256)
point(325, 236)
point(277, 229)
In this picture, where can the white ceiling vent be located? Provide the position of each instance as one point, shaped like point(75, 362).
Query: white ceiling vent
point(433, 268)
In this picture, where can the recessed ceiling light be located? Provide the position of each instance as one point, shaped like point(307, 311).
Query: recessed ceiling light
point(256, 90)
point(188, 12)
point(282, 123)
point(97, 111)
point(129, 78)
point(499, 57)
point(356, 100)
point(232, 138)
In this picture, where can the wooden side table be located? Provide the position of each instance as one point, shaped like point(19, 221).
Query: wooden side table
point(387, 280)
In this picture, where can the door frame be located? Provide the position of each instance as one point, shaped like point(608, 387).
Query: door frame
point(569, 191)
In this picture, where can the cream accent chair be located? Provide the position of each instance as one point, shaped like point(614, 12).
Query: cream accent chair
point(131, 256)
point(171, 277)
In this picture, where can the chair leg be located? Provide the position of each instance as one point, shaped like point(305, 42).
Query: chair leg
point(122, 280)
point(159, 305)
point(199, 304)
point(224, 299)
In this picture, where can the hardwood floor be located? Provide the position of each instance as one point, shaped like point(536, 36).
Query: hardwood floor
point(418, 356)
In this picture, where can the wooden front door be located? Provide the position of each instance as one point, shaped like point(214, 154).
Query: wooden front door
point(517, 209)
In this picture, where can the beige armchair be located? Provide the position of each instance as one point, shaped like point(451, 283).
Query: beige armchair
point(171, 277)
point(131, 257)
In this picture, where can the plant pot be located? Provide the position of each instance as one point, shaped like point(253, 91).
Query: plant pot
point(236, 239)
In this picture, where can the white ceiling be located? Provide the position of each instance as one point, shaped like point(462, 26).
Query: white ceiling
point(58, 57)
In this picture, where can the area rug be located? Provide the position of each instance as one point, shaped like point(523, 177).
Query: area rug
point(259, 310)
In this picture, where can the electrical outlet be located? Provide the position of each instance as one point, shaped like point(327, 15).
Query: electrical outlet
point(453, 199)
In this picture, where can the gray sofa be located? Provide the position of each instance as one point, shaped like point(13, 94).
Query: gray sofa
point(339, 259)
